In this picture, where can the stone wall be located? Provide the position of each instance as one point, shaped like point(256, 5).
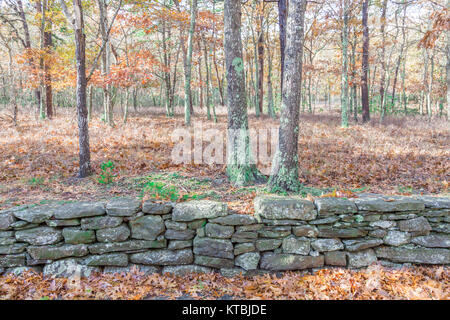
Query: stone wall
point(286, 233)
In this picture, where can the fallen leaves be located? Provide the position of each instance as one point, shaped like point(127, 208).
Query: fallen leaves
point(373, 283)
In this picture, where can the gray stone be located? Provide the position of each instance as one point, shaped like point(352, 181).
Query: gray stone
point(235, 220)
point(244, 236)
point(147, 227)
point(13, 248)
point(441, 227)
point(378, 233)
point(418, 225)
point(250, 227)
point(435, 213)
point(79, 210)
point(77, 236)
point(268, 244)
point(23, 225)
point(397, 238)
point(179, 226)
point(6, 221)
point(6, 234)
point(110, 259)
point(389, 204)
point(57, 252)
point(345, 233)
point(335, 258)
point(417, 255)
point(283, 222)
point(361, 258)
point(283, 261)
point(163, 257)
point(248, 261)
point(179, 235)
point(243, 248)
point(185, 270)
point(358, 245)
point(274, 232)
point(10, 261)
point(213, 262)
point(322, 245)
point(198, 209)
point(385, 224)
point(201, 232)
point(219, 248)
point(131, 268)
point(123, 207)
point(327, 220)
point(214, 230)
point(305, 231)
point(98, 223)
point(132, 245)
point(63, 223)
point(117, 234)
point(179, 244)
point(435, 202)
point(332, 206)
point(152, 207)
point(196, 224)
point(69, 268)
point(36, 214)
point(39, 236)
point(296, 246)
point(397, 216)
point(433, 241)
point(7, 241)
point(275, 207)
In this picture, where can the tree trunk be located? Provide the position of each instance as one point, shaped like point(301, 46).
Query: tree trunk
point(284, 175)
point(282, 20)
point(365, 65)
point(383, 56)
point(344, 94)
point(188, 68)
point(240, 169)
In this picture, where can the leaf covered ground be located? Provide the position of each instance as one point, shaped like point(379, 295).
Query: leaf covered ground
point(38, 159)
point(373, 283)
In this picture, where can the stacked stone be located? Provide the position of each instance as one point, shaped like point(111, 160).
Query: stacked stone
point(286, 233)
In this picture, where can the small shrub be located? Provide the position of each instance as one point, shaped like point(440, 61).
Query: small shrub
point(107, 176)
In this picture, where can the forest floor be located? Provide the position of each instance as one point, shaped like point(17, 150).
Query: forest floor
point(39, 159)
point(373, 283)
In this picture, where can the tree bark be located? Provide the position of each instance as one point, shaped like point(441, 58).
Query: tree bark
point(240, 169)
point(188, 67)
point(284, 175)
point(365, 64)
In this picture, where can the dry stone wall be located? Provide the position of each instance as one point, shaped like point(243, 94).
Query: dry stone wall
point(286, 233)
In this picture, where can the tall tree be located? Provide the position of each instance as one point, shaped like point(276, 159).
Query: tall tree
point(284, 174)
point(188, 66)
point(77, 22)
point(240, 169)
point(282, 20)
point(365, 64)
point(344, 87)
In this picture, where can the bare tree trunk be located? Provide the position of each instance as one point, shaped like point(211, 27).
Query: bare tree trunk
point(188, 68)
point(240, 169)
point(282, 20)
point(365, 65)
point(383, 56)
point(284, 174)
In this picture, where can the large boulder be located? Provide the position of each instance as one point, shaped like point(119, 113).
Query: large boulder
point(214, 230)
point(420, 226)
point(147, 227)
point(275, 207)
point(36, 214)
point(296, 246)
point(397, 238)
point(198, 209)
point(153, 207)
point(117, 234)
